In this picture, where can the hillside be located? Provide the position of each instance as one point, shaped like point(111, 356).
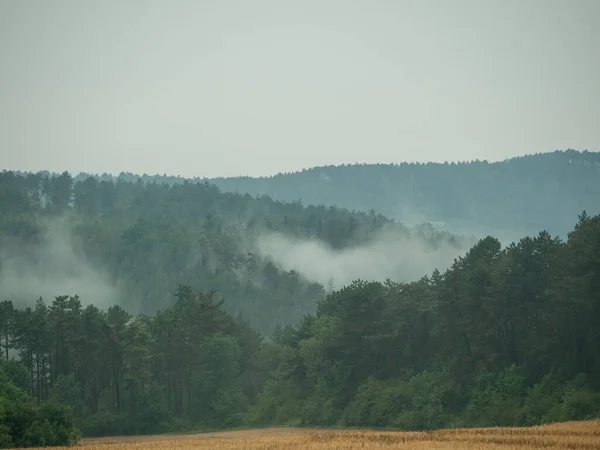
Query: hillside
point(503, 337)
point(120, 302)
point(506, 199)
point(113, 241)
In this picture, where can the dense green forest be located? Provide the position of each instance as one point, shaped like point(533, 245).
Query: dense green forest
point(131, 242)
point(508, 199)
point(209, 335)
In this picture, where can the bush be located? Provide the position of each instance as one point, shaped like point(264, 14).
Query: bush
point(579, 402)
point(105, 424)
point(540, 400)
point(22, 424)
point(496, 399)
point(417, 404)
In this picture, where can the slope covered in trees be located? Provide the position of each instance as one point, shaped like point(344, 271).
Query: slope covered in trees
point(126, 242)
point(506, 336)
point(512, 198)
point(503, 337)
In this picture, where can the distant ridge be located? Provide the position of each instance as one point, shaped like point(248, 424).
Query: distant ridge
point(516, 196)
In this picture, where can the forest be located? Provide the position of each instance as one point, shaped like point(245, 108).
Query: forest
point(508, 199)
point(132, 242)
point(179, 324)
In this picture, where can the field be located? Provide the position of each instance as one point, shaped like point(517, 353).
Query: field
point(570, 435)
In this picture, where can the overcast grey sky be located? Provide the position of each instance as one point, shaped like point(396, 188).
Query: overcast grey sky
point(219, 87)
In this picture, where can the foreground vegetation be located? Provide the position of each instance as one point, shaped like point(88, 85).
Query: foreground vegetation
point(580, 435)
point(504, 337)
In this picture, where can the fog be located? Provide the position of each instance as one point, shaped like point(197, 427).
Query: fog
point(54, 266)
point(400, 258)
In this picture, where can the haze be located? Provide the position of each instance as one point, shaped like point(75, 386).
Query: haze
point(54, 267)
point(214, 88)
point(388, 256)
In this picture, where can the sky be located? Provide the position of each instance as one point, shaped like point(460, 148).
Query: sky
point(222, 87)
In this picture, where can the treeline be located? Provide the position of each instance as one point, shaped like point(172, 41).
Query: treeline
point(503, 337)
point(506, 336)
point(187, 365)
point(152, 236)
point(515, 197)
point(24, 424)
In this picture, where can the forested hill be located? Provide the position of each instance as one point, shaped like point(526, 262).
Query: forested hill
point(130, 243)
point(504, 337)
point(506, 199)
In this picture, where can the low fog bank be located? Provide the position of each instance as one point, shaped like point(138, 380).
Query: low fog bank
point(399, 258)
point(53, 267)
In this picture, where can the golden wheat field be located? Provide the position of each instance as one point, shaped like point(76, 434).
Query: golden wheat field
point(570, 435)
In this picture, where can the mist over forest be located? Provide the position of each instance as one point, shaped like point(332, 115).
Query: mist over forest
point(354, 217)
point(116, 240)
point(136, 304)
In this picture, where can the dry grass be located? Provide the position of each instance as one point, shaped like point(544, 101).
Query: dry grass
point(570, 435)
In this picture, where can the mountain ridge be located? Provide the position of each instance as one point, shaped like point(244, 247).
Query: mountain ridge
point(509, 198)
